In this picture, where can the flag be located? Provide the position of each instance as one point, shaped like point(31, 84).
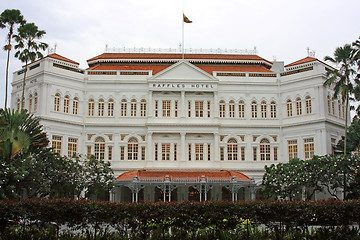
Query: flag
point(186, 19)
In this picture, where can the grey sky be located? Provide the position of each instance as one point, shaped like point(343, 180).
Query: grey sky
point(278, 28)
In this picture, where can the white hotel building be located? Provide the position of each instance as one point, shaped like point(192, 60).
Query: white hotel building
point(210, 121)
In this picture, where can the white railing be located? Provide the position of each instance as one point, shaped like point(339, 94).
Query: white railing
point(179, 50)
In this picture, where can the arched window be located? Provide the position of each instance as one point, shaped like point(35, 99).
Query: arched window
point(133, 149)
point(76, 106)
point(241, 109)
point(133, 108)
point(263, 109)
point(232, 149)
point(30, 102)
point(111, 108)
point(264, 150)
point(254, 109)
point(232, 109)
point(99, 148)
point(101, 106)
point(222, 109)
point(273, 112)
point(143, 108)
point(66, 104)
point(298, 106)
point(35, 101)
point(57, 102)
point(91, 108)
point(289, 108)
point(123, 109)
point(308, 104)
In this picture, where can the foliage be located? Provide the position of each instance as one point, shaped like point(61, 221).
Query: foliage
point(353, 138)
point(329, 172)
point(28, 48)
point(343, 80)
point(8, 18)
point(99, 176)
point(185, 220)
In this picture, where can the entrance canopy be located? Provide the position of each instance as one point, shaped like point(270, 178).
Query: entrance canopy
point(202, 181)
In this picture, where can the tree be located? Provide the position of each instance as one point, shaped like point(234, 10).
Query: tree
point(99, 177)
point(353, 138)
point(9, 18)
point(28, 48)
point(343, 80)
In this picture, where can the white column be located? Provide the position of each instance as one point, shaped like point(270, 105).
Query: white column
point(216, 156)
point(150, 110)
point(182, 147)
point(149, 152)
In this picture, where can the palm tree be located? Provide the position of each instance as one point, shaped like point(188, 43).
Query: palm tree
point(343, 80)
point(9, 18)
point(28, 48)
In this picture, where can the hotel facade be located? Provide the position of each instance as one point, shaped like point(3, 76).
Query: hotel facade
point(194, 127)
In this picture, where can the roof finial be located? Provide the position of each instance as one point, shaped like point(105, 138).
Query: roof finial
point(310, 53)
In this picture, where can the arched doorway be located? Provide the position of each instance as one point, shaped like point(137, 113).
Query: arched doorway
point(226, 194)
point(193, 194)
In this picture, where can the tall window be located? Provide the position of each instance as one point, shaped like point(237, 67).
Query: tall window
point(308, 104)
point(231, 109)
point(329, 104)
point(91, 108)
point(110, 153)
point(199, 151)
point(35, 101)
point(339, 107)
point(275, 153)
point(189, 108)
point(56, 144)
point(264, 150)
point(133, 149)
point(209, 151)
point(222, 109)
point(175, 151)
point(255, 153)
point(208, 109)
point(241, 109)
point(232, 150)
point(253, 109)
point(165, 151)
point(333, 105)
point(66, 104)
point(189, 151)
point(75, 106)
point(298, 106)
point(18, 104)
point(156, 154)
point(309, 148)
point(273, 113)
point(123, 108)
point(133, 108)
point(176, 108)
point(72, 146)
point(199, 109)
point(111, 108)
point(57, 102)
point(289, 108)
point(143, 153)
point(122, 152)
point(166, 108)
point(222, 153)
point(101, 106)
point(263, 109)
point(292, 149)
point(30, 102)
point(156, 108)
point(143, 108)
point(99, 148)
point(242, 153)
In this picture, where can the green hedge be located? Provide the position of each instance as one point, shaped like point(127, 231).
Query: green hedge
point(185, 215)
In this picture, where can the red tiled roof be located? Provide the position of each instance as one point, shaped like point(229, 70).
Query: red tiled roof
point(158, 68)
point(177, 56)
point(59, 57)
point(143, 174)
point(301, 61)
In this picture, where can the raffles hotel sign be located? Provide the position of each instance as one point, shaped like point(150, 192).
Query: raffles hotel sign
point(183, 86)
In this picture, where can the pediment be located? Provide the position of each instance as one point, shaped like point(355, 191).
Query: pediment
point(183, 71)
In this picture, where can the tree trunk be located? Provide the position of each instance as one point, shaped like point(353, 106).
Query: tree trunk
point(346, 120)
point(7, 74)
point(23, 89)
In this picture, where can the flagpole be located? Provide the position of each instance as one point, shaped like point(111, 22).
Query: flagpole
point(182, 45)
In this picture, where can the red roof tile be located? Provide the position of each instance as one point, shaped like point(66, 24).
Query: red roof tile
point(59, 57)
point(143, 174)
point(177, 56)
point(301, 61)
point(158, 68)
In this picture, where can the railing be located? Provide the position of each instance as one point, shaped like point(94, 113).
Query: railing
point(179, 50)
